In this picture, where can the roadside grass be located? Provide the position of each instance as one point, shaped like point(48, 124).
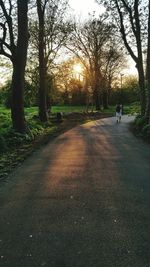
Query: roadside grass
point(133, 109)
point(15, 147)
point(69, 109)
point(64, 109)
point(128, 109)
point(36, 127)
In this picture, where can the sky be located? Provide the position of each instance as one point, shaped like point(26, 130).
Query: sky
point(83, 7)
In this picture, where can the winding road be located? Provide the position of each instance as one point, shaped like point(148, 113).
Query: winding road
point(83, 200)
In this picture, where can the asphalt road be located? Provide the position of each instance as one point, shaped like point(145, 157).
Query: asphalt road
point(83, 200)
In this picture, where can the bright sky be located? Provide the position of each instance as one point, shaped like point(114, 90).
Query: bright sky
point(83, 7)
point(131, 69)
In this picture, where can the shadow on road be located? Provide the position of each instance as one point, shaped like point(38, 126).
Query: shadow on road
point(81, 201)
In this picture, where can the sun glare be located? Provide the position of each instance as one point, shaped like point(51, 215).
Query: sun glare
point(77, 68)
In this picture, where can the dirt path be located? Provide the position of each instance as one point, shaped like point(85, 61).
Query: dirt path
point(81, 201)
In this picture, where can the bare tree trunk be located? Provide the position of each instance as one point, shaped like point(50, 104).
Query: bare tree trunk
point(140, 65)
point(136, 30)
point(105, 98)
point(97, 85)
point(96, 98)
point(19, 62)
point(17, 103)
point(142, 88)
point(42, 67)
point(148, 70)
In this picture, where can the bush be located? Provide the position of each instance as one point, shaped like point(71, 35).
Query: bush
point(139, 123)
point(141, 127)
point(5, 95)
point(3, 146)
point(30, 95)
point(146, 131)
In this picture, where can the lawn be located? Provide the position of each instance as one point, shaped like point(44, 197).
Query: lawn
point(68, 109)
point(55, 109)
point(5, 116)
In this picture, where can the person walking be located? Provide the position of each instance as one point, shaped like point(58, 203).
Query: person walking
point(118, 113)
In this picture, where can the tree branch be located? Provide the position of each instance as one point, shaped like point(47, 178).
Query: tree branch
point(129, 10)
point(4, 32)
point(122, 30)
point(9, 23)
point(4, 53)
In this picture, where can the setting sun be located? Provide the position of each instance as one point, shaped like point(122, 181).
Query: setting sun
point(77, 68)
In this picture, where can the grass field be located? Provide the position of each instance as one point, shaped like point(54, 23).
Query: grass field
point(5, 116)
point(68, 109)
point(55, 109)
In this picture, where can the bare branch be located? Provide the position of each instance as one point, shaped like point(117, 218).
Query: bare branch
point(4, 53)
point(3, 26)
point(9, 22)
point(130, 16)
point(122, 30)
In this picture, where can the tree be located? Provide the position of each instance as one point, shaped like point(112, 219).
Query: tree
point(15, 48)
point(42, 66)
point(113, 62)
point(132, 19)
point(70, 81)
point(148, 67)
point(63, 77)
point(90, 42)
point(52, 32)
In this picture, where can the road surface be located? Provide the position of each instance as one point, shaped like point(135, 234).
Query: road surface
point(82, 200)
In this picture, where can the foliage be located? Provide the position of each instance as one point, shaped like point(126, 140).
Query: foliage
point(30, 95)
point(5, 95)
point(9, 139)
point(146, 131)
point(132, 109)
point(93, 43)
point(3, 145)
point(132, 19)
point(142, 127)
point(126, 96)
point(48, 35)
point(77, 93)
point(140, 122)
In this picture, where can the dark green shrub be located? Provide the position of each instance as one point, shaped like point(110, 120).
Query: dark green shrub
point(30, 95)
point(5, 95)
point(146, 131)
point(139, 123)
point(3, 146)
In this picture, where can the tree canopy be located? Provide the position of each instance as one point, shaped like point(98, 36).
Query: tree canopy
point(41, 43)
point(132, 19)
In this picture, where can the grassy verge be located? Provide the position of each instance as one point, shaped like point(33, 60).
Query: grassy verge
point(133, 109)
